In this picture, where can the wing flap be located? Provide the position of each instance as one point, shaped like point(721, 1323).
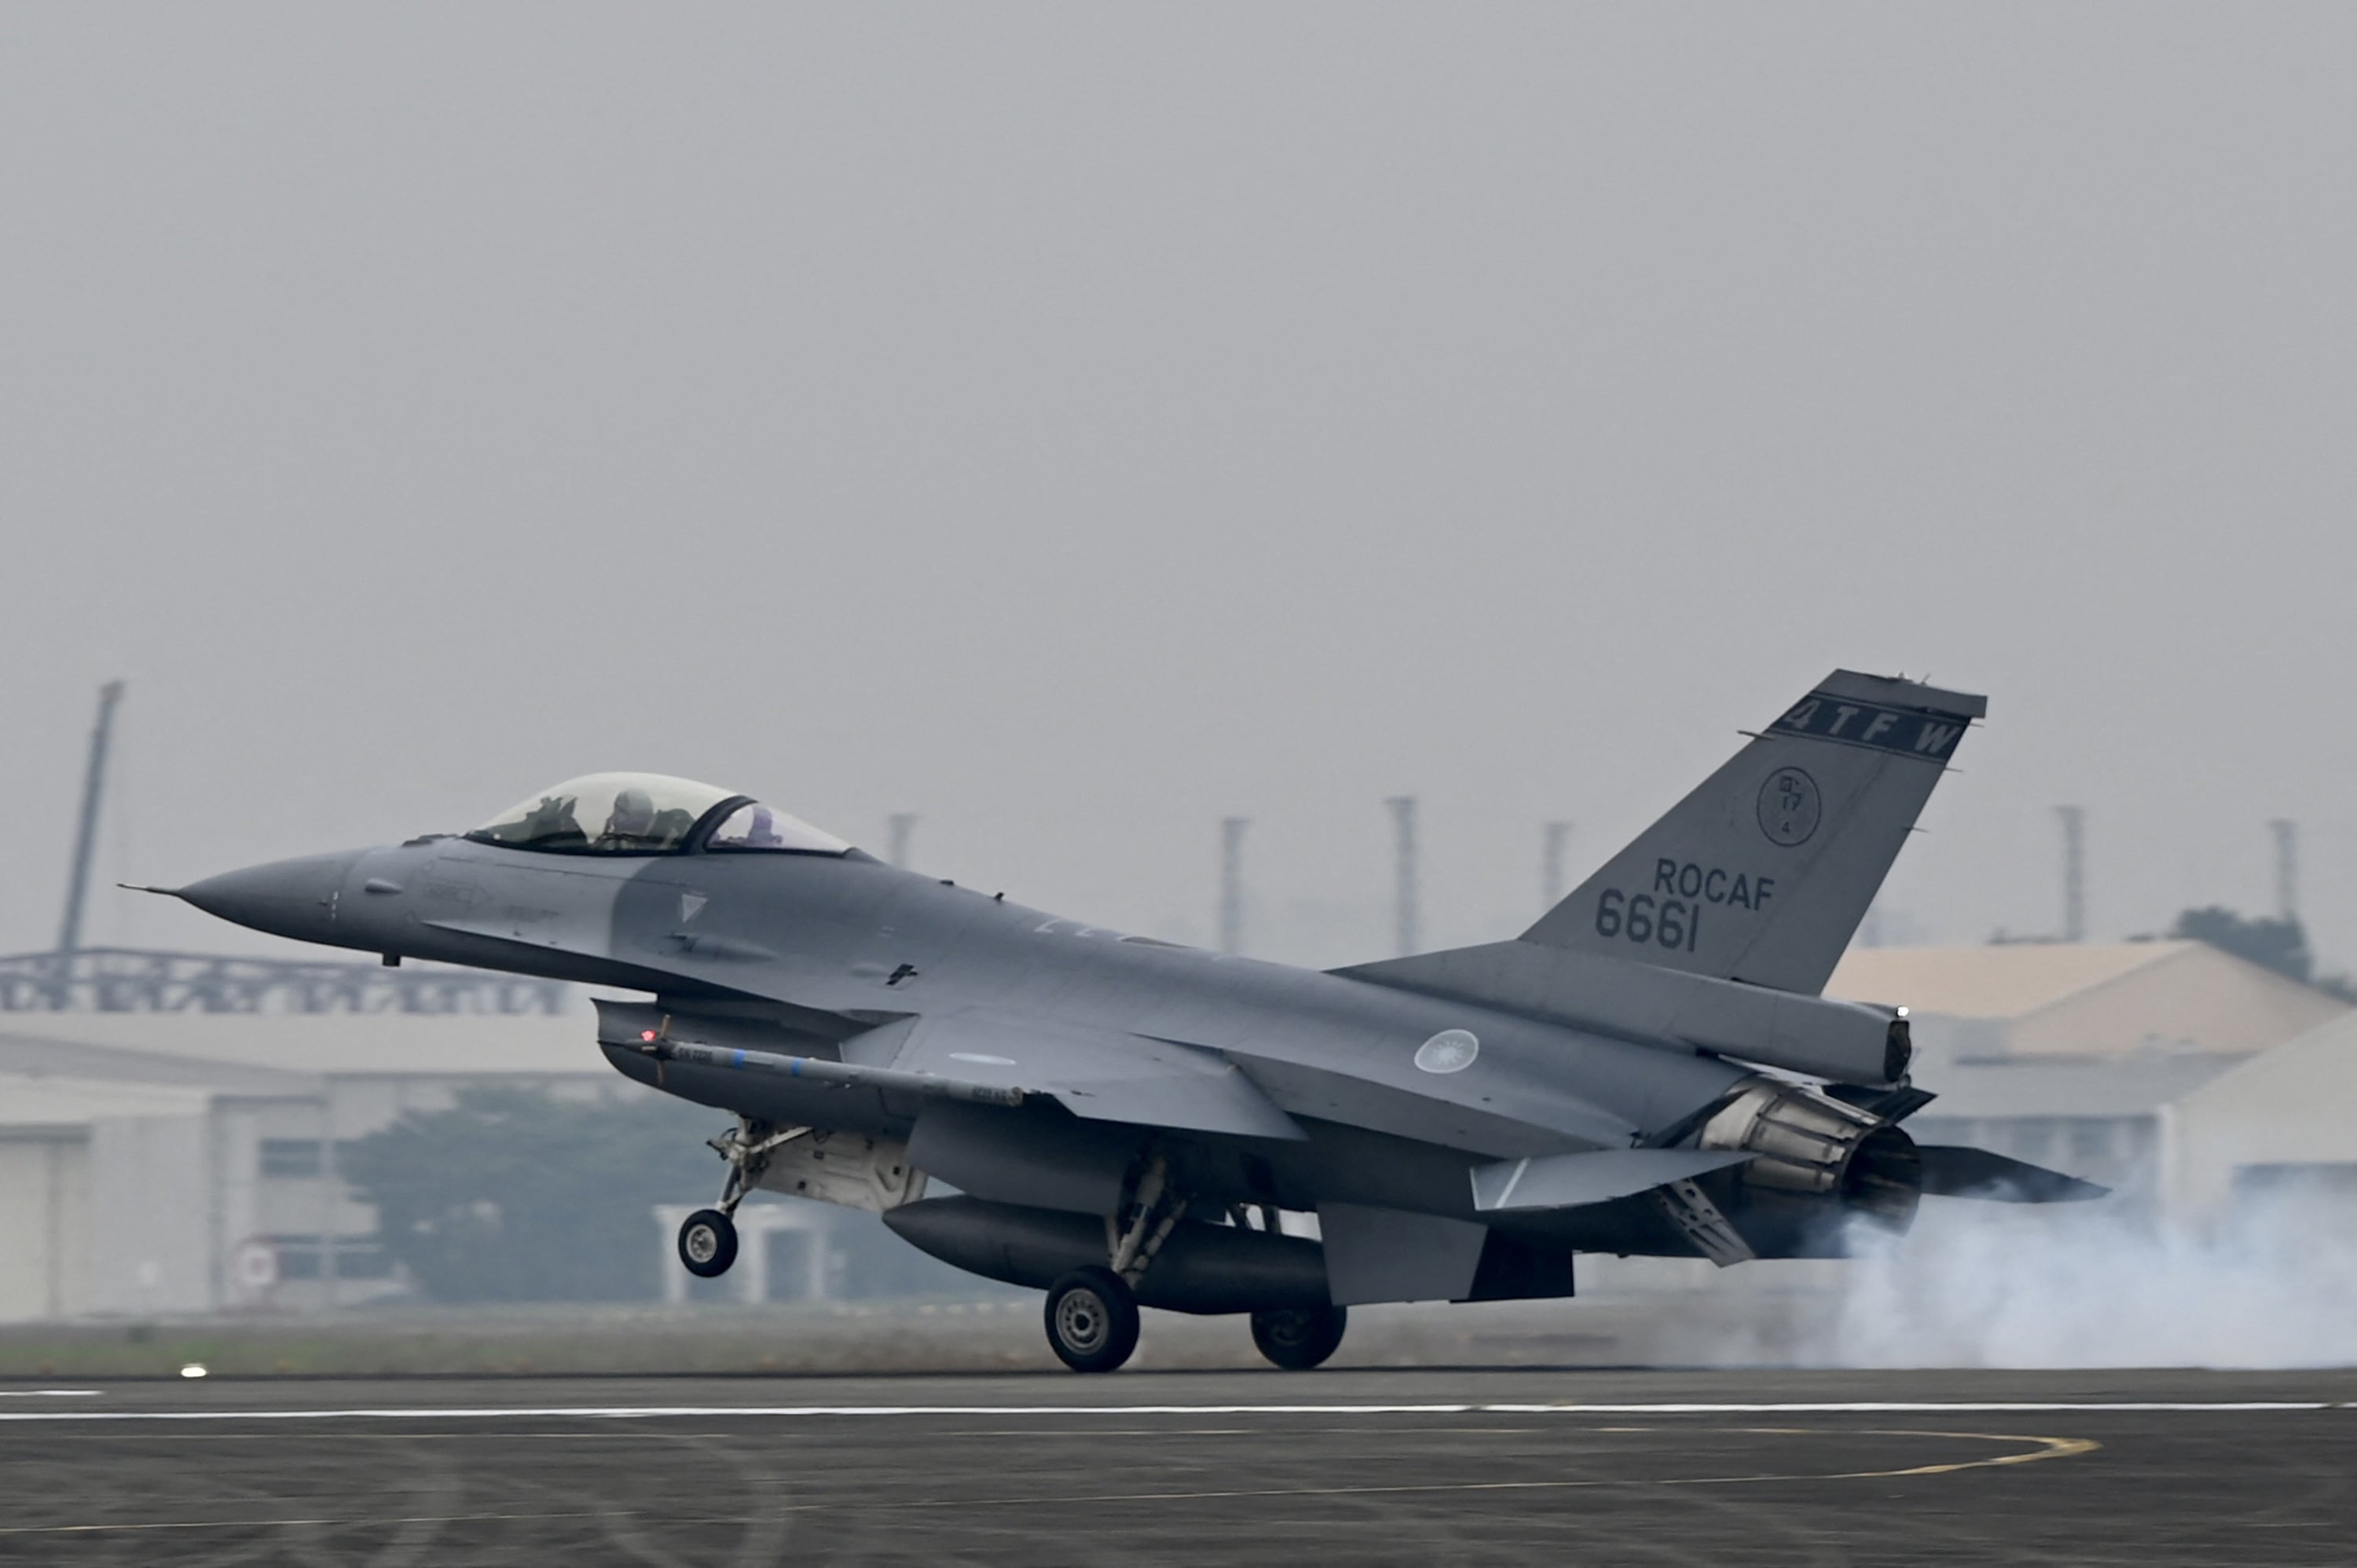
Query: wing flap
point(1569, 1181)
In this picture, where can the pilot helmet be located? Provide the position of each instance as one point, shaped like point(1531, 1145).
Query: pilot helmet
point(634, 812)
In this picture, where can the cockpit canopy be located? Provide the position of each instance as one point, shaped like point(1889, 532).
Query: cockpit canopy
point(650, 814)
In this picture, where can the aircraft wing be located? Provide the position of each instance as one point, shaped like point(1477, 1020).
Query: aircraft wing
point(1103, 1075)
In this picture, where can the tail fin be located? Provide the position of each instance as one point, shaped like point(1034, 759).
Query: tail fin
point(1763, 873)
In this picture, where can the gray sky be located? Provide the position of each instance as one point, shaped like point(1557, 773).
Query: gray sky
point(1078, 423)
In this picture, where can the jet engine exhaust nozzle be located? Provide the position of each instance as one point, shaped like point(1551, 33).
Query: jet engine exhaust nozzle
point(1809, 1143)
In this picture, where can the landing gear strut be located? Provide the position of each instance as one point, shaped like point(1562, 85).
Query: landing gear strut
point(708, 1238)
point(1299, 1337)
point(1092, 1313)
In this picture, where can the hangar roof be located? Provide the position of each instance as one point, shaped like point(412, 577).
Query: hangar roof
point(283, 1052)
point(2312, 1077)
point(45, 1100)
point(2003, 979)
point(2061, 1086)
point(2086, 999)
point(36, 1057)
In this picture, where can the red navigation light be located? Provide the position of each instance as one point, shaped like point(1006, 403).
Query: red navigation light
point(648, 1035)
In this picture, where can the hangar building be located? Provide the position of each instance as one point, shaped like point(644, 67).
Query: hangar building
point(2272, 1140)
point(2067, 1054)
point(186, 1162)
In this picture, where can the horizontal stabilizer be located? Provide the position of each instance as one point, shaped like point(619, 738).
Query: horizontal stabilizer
point(1567, 1181)
point(1950, 1171)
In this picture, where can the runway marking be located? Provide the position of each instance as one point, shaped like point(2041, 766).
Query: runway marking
point(790, 1412)
point(2046, 1448)
point(2051, 1448)
point(291, 1523)
point(2042, 1448)
point(48, 1393)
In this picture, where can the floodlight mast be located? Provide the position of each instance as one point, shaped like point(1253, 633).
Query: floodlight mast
point(1231, 882)
point(1405, 909)
point(93, 788)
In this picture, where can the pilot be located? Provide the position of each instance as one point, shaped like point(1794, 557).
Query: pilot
point(632, 821)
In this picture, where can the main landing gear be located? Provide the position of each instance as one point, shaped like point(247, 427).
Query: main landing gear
point(1091, 1314)
point(1299, 1337)
point(707, 1238)
point(1091, 1320)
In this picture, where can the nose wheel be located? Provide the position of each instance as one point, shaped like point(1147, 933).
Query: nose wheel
point(707, 1239)
point(707, 1243)
point(1091, 1320)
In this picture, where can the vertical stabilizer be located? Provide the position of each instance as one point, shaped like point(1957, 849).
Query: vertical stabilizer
point(1763, 873)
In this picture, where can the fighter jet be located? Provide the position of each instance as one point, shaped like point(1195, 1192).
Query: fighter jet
point(1650, 1069)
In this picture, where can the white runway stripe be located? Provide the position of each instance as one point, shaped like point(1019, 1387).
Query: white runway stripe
point(662, 1412)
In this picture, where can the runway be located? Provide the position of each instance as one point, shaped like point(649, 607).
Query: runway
point(1444, 1465)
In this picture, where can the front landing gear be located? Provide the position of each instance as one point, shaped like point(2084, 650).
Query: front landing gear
point(707, 1240)
point(707, 1243)
point(1091, 1320)
point(1299, 1337)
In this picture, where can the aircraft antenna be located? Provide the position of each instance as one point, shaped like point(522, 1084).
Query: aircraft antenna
point(2286, 834)
point(2074, 872)
point(1555, 835)
point(1231, 882)
point(93, 787)
point(1405, 911)
point(903, 825)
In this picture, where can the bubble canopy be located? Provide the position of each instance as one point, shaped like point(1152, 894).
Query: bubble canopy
point(650, 814)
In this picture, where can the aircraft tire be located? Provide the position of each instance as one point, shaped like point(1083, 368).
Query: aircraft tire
point(1299, 1337)
point(1091, 1318)
point(707, 1243)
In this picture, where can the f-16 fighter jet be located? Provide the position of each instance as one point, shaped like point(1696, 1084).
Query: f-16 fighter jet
point(1649, 1070)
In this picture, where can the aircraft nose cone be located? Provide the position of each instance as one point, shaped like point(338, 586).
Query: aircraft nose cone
point(294, 898)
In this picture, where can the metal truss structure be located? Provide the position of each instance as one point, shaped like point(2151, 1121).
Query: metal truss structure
point(131, 980)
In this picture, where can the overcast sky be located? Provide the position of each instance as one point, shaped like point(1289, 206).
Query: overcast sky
point(1075, 424)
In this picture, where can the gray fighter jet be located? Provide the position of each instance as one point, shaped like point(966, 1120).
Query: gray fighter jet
point(1649, 1070)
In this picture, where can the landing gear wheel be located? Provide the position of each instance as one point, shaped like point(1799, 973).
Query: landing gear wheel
point(1091, 1320)
point(1299, 1337)
point(707, 1243)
